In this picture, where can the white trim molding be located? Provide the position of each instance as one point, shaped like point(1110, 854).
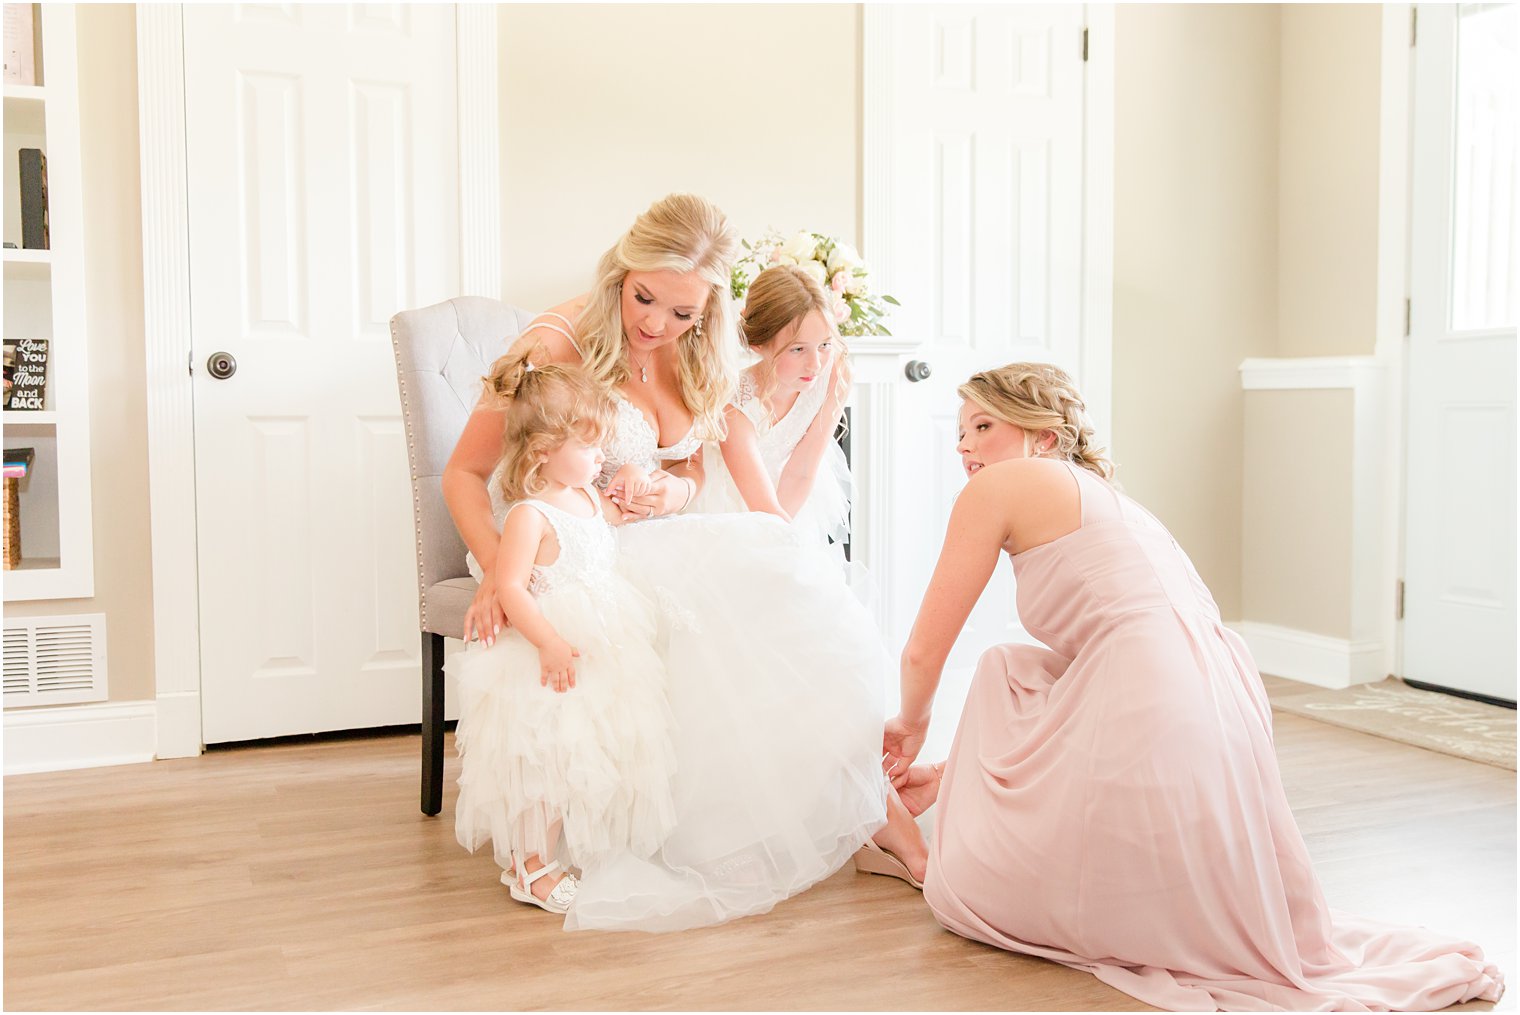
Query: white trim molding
point(1308, 372)
point(1311, 658)
point(479, 151)
point(79, 736)
point(171, 411)
point(1097, 348)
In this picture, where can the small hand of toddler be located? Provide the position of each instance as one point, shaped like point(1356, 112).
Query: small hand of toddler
point(556, 662)
point(629, 482)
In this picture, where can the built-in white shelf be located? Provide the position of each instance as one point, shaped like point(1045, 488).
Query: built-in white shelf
point(28, 265)
point(45, 298)
point(17, 421)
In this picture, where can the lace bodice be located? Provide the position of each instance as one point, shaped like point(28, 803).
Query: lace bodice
point(634, 441)
point(778, 440)
point(587, 550)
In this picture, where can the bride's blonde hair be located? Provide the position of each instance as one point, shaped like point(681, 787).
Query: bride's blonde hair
point(682, 233)
point(544, 406)
point(779, 297)
point(1037, 397)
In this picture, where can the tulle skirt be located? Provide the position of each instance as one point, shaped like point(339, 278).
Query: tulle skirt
point(775, 677)
point(823, 520)
point(597, 758)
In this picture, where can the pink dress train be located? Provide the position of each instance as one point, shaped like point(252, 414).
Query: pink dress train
point(1113, 802)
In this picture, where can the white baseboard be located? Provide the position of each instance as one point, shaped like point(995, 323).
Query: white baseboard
point(1311, 658)
point(79, 736)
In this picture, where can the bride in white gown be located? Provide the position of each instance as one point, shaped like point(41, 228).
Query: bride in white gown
point(775, 670)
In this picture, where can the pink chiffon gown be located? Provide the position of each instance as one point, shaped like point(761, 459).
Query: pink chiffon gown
point(1113, 802)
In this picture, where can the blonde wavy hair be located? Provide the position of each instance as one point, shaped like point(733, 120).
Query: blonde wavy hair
point(682, 233)
point(544, 406)
point(779, 297)
point(1037, 397)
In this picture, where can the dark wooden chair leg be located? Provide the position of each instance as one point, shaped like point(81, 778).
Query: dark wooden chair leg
point(432, 723)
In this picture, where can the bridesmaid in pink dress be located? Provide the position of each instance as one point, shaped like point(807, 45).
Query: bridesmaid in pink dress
point(1112, 802)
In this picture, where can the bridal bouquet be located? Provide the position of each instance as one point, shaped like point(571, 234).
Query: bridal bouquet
point(836, 266)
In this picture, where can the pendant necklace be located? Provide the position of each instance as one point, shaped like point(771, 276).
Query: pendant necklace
point(643, 367)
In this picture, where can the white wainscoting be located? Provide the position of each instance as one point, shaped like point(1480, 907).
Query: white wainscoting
point(80, 736)
point(1369, 654)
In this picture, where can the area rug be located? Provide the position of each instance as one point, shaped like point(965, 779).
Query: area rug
point(1394, 710)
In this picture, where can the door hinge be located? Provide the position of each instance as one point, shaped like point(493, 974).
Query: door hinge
point(1414, 26)
point(1084, 45)
point(1408, 315)
point(190, 363)
point(1398, 607)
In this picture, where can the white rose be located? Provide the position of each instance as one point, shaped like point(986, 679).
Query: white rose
point(815, 269)
point(800, 248)
point(855, 285)
point(844, 257)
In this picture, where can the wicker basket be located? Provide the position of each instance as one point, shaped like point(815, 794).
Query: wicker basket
point(12, 548)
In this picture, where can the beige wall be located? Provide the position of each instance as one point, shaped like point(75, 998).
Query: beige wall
point(601, 118)
point(107, 41)
point(1195, 262)
point(1296, 559)
point(1201, 180)
point(1328, 193)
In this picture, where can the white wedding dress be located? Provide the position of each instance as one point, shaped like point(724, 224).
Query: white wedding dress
point(775, 682)
point(825, 516)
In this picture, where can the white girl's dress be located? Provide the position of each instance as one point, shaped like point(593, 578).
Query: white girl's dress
point(599, 756)
point(775, 675)
point(825, 515)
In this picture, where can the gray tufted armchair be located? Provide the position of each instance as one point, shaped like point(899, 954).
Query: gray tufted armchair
point(442, 352)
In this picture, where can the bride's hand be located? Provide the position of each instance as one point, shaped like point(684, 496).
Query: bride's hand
point(668, 495)
point(485, 618)
point(900, 742)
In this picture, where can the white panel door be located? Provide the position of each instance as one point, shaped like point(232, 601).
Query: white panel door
point(1459, 592)
point(986, 256)
point(323, 197)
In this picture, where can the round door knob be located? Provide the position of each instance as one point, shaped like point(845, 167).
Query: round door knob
point(221, 365)
point(918, 370)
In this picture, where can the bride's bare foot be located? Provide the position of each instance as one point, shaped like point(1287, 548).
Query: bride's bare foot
point(902, 838)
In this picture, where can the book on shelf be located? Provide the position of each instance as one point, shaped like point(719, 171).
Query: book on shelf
point(34, 199)
point(21, 49)
point(18, 462)
point(25, 375)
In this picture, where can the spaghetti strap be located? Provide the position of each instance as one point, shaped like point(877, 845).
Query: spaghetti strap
point(556, 328)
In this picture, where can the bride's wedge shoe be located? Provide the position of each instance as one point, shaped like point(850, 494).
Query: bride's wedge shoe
point(872, 859)
point(559, 899)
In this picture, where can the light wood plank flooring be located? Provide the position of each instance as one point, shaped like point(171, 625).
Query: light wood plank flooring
point(301, 876)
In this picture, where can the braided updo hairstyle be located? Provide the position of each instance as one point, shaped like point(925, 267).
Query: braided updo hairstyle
point(1037, 397)
point(545, 406)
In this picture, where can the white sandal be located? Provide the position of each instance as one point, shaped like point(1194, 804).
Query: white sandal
point(559, 899)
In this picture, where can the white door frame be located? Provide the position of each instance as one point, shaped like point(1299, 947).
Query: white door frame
point(166, 309)
point(880, 360)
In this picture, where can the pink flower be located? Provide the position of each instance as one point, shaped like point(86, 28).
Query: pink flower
point(841, 311)
point(838, 281)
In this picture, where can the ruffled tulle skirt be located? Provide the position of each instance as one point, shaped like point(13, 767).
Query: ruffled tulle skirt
point(775, 677)
point(597, 758)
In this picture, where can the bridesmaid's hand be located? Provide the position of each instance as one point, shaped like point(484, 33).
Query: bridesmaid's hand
point(900, 742)
point(920, 787)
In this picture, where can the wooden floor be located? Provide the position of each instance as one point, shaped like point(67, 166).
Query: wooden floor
point(301, 876)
